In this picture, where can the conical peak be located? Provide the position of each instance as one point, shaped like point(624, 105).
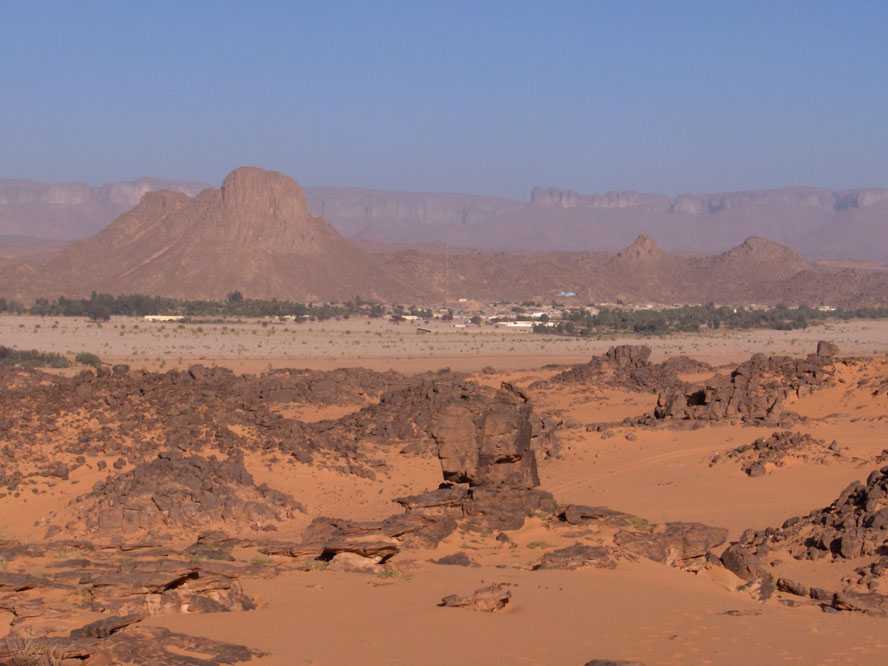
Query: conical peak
point(643, 247)
point(758, 247)
point(757, 242)
point(258, 191)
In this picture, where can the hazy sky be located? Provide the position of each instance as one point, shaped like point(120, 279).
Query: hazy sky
point(489, 97)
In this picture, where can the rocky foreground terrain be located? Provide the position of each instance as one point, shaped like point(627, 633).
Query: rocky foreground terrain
point(202, 517)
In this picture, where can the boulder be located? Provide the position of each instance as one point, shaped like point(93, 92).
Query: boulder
point(486, 599)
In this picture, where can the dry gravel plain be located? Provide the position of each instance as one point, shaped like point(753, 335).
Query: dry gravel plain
point(252, 345)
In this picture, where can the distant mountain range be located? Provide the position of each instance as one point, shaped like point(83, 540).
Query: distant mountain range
point(255, 234)
point(69, 211)
point(819, 223)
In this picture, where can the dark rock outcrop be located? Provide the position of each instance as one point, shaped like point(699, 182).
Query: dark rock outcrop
point(765, 453)
point(124, 645)
point(175, 492)
point(853, 528)
point(577, 556)
point(755, 391)
point(628, 367)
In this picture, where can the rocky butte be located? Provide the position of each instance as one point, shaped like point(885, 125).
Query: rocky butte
point(254, 234)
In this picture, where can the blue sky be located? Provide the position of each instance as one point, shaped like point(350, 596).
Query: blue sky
point(487, 97)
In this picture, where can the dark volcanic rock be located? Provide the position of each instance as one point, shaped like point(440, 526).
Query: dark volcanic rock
point(744, 562)
point(487, 442)
point(853, 527)
point(504, 508)
point(755, 391)
point(757, 458)
point(482, 439)
point(856, 524)
point(628, 367)
point(175, 492)
point(459, 559)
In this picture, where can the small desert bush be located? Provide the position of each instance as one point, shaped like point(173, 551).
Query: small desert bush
point(88, 358)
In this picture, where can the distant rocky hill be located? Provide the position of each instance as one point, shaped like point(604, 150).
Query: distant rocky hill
point(253, 234)
point(820, 223)
point(756, 271)
point(68, 211)
point(256, 235)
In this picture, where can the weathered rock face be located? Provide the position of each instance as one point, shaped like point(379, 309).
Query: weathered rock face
point(482, 439)
point(629, 356)
point(755, 391)
point(672, 543)
point(487, 444)
point(551, 197)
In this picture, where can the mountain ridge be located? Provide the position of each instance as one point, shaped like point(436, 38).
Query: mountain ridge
point(822, 223)
point(256, 234)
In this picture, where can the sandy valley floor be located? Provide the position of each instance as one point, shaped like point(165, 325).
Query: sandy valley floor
point(642, 610)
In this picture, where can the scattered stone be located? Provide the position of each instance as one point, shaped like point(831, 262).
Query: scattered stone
point(765, 454)
point(486, 599)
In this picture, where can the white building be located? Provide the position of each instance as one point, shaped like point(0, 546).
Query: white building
point(163, 317)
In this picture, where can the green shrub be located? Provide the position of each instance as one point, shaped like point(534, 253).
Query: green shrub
point(32, 358)
point(88, 358)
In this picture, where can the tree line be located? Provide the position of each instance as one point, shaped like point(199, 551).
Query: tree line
point(694, 318)
point(101, 307)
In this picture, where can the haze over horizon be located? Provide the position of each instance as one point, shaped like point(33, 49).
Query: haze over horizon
point(592, 97)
